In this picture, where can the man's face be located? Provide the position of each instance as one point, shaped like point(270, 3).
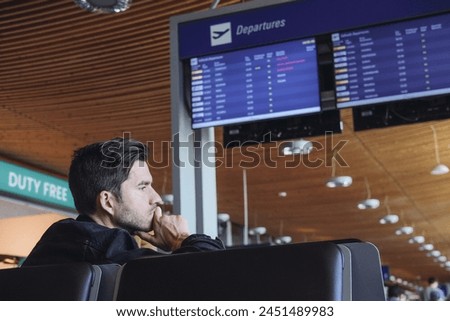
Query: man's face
point(139, 200)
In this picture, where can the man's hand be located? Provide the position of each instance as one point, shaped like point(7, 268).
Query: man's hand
point(168, 232)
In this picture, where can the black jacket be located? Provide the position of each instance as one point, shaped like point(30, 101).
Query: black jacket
point(83, 240)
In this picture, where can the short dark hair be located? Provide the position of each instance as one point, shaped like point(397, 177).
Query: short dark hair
point(431, 280)
point(102, 166)
point(395, 291)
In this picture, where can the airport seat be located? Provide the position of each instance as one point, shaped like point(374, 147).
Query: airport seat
point(364, 270)
point(108, 276)
point(317, 271)
point(62, 282)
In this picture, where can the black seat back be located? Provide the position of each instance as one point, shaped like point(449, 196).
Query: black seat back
point(308, 271)
point(61, 282)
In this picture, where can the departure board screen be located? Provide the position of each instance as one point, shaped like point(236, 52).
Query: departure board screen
point(397, 61)
point(271, 81)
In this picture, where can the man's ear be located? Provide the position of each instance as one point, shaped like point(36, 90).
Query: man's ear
point(108, 202)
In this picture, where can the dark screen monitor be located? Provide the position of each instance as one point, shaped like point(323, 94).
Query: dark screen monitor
point(267, 131)
point(393, 62)
point(259, 83)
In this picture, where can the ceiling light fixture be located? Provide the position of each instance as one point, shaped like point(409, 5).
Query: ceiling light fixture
point(439, 169)
point(404, 230)
point(435, 253)
point(389, 219)
point(167, 205)
point(419, 239)
point(426, 247)
point(282, 194)
point(103, 6)
point(297, 147)
point(282, 239)
point(285, 239)
point(223, 217)
point(369, 203)
point(260, 230)
point(338, 181)
point(167, 199)
point(257, 231)
point(224, 222)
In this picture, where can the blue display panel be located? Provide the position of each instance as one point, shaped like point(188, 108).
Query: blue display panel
point(393, 62)
point(266, 82)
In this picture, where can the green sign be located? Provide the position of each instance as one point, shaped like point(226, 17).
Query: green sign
point(34, 185)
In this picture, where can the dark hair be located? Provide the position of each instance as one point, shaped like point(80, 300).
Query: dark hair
point(395, 291)
point(431, 280)
point(102, 166)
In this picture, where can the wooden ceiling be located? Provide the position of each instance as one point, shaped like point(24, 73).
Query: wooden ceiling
point(69, 77)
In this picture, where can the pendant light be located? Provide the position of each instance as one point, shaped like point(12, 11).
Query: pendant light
point(389, 218)
point(338, 181)
point(439, 169)
point(282, 239)
point(369, 203)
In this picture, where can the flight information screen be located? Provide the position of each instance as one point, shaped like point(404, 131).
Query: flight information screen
point(272, 81)
point(402, 60)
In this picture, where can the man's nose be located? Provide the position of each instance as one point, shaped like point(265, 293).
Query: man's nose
point(155, 198)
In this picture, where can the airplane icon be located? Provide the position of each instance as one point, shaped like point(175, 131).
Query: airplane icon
point(218, 34)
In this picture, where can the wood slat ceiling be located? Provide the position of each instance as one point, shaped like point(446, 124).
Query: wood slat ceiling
point(69, 77)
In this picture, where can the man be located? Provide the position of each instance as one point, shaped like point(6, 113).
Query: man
point(112, 188)
point(432, 292)
point(396, 293)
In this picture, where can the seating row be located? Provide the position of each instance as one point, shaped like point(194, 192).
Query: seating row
point(318, 271)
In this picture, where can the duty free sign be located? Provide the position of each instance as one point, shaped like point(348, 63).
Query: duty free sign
point(34, 185)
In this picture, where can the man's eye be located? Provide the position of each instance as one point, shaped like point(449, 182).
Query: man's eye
point(143, 187)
